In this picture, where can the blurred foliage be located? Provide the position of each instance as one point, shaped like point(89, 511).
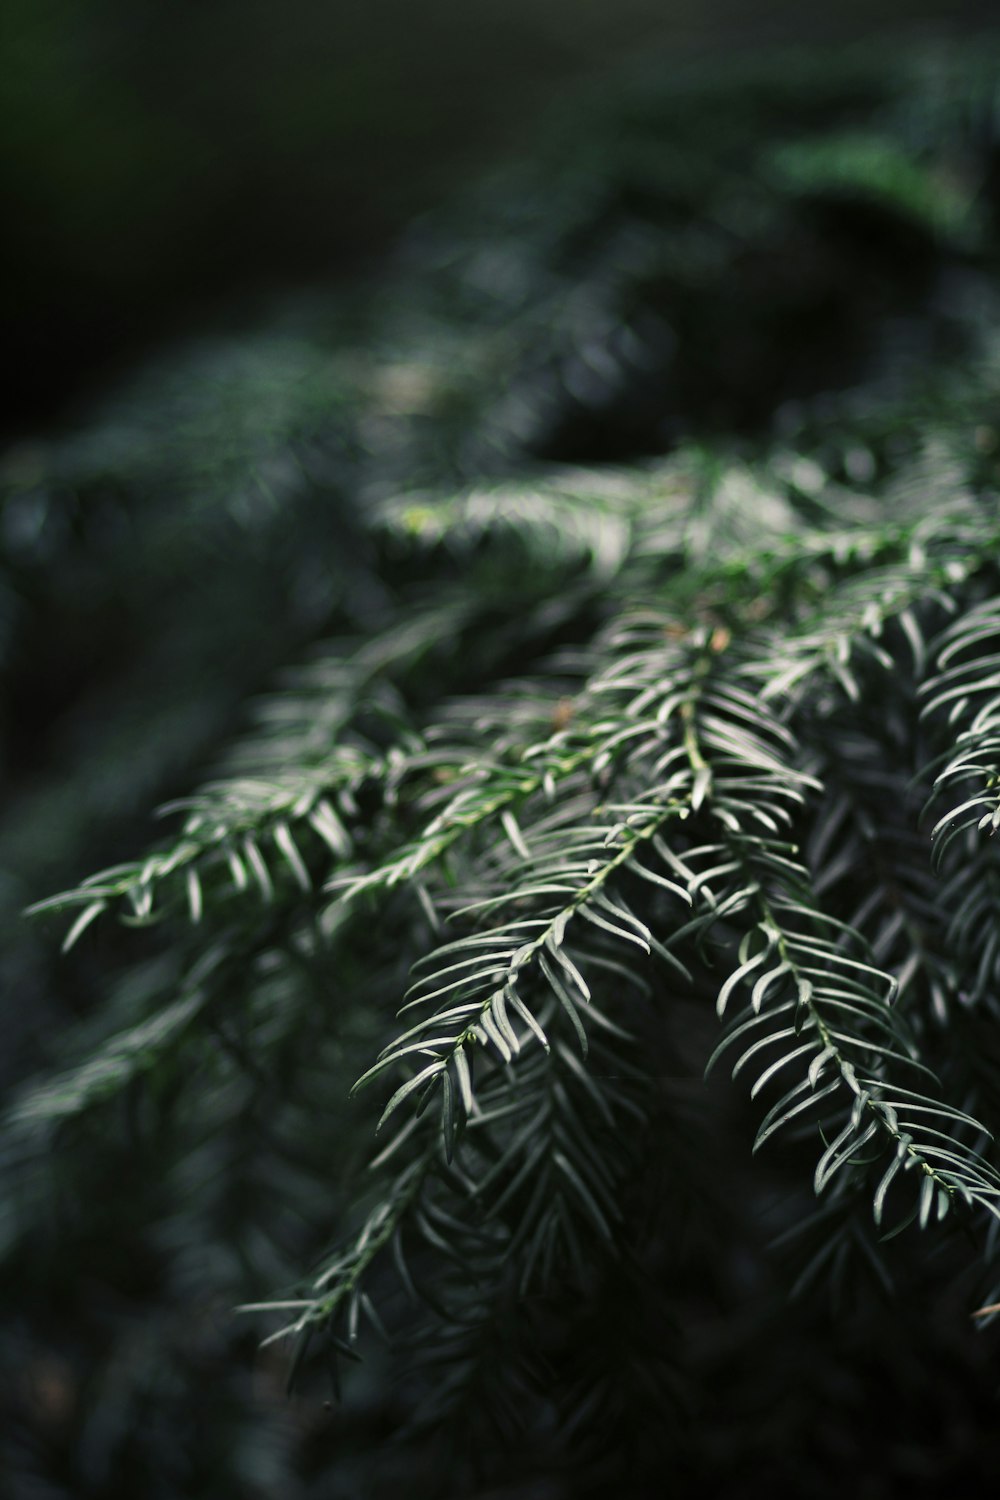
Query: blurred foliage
point(164, 164)
point(732, 313)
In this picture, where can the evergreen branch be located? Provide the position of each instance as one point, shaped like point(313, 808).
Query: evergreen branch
point(235, 836)
point(555, 522)
point(512, 1197)
point(489, 986)
point(834, 1018)
point(964, 692)
point(481, 978)
point(239, 831)
point(586, 716)
point(926, 563)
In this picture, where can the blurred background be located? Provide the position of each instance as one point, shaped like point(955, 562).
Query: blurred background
point(216, 353)
point(165, 166)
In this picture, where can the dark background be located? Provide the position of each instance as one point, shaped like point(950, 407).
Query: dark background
point(168, 165)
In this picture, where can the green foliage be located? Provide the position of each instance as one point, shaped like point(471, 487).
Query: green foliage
point(610, 777)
